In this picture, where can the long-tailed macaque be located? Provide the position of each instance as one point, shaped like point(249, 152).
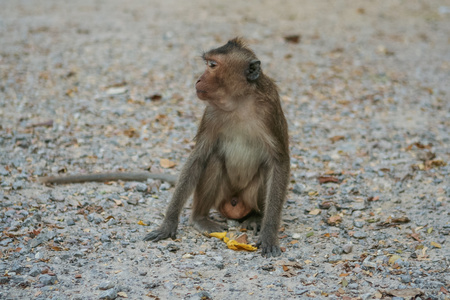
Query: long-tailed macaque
point(240, 163)
point(241, 154)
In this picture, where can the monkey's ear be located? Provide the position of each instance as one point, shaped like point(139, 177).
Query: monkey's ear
point(254, 70)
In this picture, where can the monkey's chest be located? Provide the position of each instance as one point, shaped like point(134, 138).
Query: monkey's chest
point(242, 157)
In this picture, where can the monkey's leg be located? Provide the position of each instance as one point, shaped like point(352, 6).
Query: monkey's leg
point(254, 195)
point(188, 179)
point(210, 188)
point(278, 178)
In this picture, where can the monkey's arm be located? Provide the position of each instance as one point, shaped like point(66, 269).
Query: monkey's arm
point(276, 193)
point(103, 177)
point(188, 179)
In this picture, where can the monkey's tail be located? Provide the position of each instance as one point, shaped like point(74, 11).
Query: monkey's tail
point(104, 177)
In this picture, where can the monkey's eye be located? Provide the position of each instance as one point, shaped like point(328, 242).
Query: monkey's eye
point(211, 63)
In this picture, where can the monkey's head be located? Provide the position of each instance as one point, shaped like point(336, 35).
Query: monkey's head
point(231, 74)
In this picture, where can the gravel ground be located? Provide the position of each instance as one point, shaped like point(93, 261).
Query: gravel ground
point(89, 86)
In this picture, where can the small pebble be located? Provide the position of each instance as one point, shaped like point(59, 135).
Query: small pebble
point(108, 294)
point(360, 235)
point(347, 248)
point(106, 285)
point(46, 279)
point(405, 278)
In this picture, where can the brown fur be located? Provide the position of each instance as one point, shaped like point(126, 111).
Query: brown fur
point(241, 152)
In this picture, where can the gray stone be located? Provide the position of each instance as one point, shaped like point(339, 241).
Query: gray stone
point(105, 238)
point(35, 271)
point(18, 185)
point(334, 258)
point(337, 250)
point(106, 285)
point(94, 217)
point(358, 224)
point(347, 248)
point(298, 188)
point(353, 286)
point(141, 187)
point(6, 241)
point(16, 268)
point(46, 279)
point(203, 295)
point(405, 278)
point(3, 171)
point(57, 196)
point(360, 235)
point(108, 294)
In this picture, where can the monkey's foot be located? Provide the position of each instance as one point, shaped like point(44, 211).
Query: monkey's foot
point(207, 226)
point(163, 232)
point(252, 222)
point(269, 246)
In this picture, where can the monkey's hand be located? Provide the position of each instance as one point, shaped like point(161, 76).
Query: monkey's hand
point(268, 244)
point(164, 231)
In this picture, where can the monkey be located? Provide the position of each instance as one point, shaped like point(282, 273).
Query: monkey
point(240, 163)
point(241, 152)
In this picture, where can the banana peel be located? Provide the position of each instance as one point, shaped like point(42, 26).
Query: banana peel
point(233, 244)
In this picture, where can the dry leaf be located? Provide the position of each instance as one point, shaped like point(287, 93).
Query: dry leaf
point(336, 138)
point(376, 198)
point(419, 146)
point(154, 97)
point(394, 258)
point(315, 212)
point(131, 132)
point(326, 204)
point(400, 220)
point(416, 236)
point(293, 38)
point(436, 245)
point(165, 163)
point(150, 295)
point(334, 220)
point(289, 273)
point(326, 179)
point(142, 223)
point(122, 294)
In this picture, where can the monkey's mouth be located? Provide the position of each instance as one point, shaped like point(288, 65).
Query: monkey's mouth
point(201, 92)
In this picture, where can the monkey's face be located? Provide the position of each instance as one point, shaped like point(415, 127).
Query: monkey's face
point(211, 86)
point(220, 83)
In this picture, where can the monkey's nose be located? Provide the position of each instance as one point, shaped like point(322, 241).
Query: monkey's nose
point(198, 81)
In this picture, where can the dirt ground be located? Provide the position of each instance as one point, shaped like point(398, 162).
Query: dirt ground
point(91, 86)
